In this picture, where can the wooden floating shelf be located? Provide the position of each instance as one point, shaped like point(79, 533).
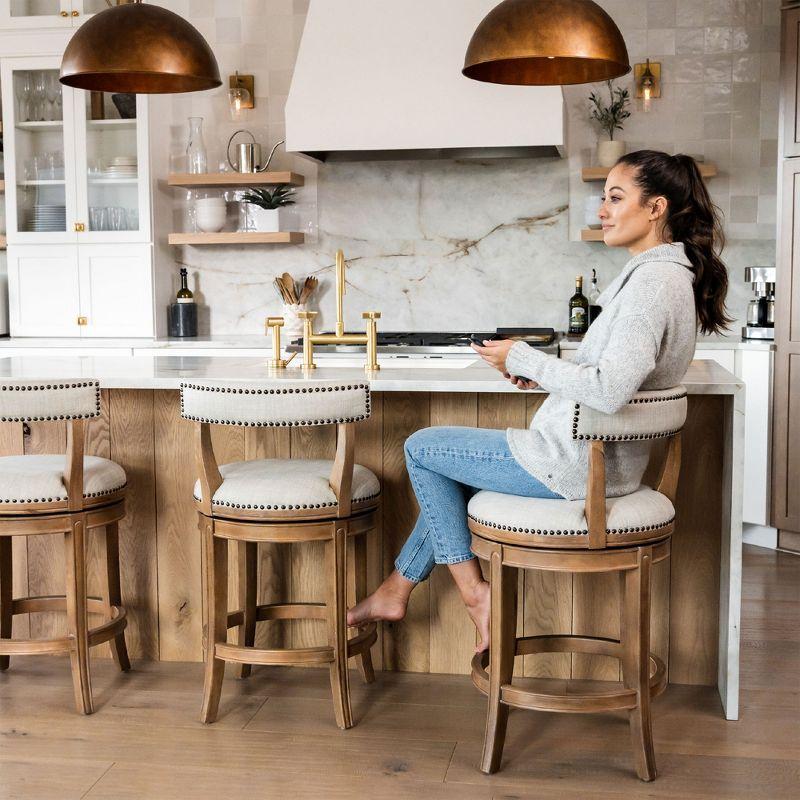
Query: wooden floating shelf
point(592, 235)
point(3, 242)
point(282, 237)
point(707, 170)
point(236, 179)
point(2, 186)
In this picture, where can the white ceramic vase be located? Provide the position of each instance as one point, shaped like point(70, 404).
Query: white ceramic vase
point(608, 153)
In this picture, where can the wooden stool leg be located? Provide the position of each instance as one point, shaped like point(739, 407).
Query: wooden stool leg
point(216, 630)
point(336, 563)
point(77, 618)
point(6, 595)
point(113, 593)
point(364, 660)
point(248, 586)
point(635, 635)
point(502, 648)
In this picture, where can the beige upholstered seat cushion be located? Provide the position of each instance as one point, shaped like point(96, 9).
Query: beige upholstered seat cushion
point(40, 479)
point(642, 510)
point(285, 484)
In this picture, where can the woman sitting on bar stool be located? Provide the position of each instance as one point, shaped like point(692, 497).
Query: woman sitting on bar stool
point(657, 206)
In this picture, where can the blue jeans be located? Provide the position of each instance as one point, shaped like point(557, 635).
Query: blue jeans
point(447, 465)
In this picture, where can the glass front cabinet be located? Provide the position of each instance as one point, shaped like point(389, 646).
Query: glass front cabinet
point(77, 177)
point(47, 13)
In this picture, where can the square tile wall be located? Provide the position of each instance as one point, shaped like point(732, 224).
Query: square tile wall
point(427, 259)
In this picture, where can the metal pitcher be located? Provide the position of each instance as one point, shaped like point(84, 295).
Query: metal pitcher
point(249, 154)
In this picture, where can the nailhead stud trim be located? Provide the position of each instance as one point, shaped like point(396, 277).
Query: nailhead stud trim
point(290, 507)
point(86, 495)
point(52, 387)
point(627, 437)
point(281, 423)
point(584, 532)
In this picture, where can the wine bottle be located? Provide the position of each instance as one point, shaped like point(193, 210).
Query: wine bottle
point(578, 309)
point(594, 294)
point(184, 293)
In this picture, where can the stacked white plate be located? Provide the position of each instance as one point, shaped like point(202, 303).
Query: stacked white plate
point(49, 218)
point(121, 167)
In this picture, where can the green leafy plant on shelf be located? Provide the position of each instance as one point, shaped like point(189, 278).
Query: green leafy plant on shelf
point(269, 200)
point(610, 117)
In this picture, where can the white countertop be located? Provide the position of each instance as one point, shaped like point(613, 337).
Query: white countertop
point(705, 343)
point(168, 371)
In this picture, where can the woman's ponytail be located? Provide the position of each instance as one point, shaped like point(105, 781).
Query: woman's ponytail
point(692, 218)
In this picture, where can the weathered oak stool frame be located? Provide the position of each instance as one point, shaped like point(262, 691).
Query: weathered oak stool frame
point(627, 535)
point(24, 401)
point(289, 402)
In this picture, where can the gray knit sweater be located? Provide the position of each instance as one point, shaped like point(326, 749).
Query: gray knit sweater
point(643, 339)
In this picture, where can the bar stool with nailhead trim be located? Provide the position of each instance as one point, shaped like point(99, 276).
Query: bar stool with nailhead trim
point(627, 535)
point(282, 501)
point(72, 494)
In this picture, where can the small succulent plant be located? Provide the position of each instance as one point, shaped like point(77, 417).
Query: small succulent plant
point(610, 117)
point(263, 198)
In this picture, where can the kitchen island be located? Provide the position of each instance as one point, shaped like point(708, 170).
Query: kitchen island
point(696, 596)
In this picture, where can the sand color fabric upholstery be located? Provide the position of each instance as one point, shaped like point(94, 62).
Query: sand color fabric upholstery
point(40, 479)
point(278, 483)
point(275, 403)
point(643, 510)
point(648, 415)
point(25, 400)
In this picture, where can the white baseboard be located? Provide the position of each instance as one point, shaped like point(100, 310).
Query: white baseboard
point(760, 535)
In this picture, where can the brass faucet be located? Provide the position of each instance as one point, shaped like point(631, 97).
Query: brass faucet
point(370, 338)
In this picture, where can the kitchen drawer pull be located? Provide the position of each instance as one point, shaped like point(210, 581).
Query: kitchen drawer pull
point(83, 320)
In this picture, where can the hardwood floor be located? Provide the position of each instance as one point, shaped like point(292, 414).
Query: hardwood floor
point(417, 735)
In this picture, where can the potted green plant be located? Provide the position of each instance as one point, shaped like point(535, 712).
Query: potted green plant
point(609, 118)
point(263, 207)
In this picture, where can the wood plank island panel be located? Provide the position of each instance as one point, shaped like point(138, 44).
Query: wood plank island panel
point(161, 553)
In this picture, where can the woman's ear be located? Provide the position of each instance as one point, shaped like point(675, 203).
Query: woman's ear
point(658, 208)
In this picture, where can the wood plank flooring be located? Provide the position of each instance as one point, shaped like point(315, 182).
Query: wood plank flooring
point(417, 735)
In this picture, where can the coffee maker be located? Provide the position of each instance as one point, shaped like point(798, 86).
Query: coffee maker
point(761, 309)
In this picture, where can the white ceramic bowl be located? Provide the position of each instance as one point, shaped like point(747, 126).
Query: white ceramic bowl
point(211, 220)
point(210, 202)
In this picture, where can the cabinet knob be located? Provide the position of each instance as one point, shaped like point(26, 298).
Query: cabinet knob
point(74, 14)
point(83, 320)
point(79, 227)
point(64, 14)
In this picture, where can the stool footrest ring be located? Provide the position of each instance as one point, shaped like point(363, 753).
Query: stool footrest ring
point(62, 644)
point(588, 702)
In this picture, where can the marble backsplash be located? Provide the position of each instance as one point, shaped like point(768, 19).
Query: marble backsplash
point(433, 245)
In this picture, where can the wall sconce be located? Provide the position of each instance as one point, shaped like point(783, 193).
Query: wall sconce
point(241, 94)
point(648, 81)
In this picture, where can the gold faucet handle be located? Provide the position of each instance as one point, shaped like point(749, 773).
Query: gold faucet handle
point(370, 315)
point(275, 324)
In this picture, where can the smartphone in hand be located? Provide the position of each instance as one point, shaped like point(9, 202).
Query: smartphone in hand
point(480, 338)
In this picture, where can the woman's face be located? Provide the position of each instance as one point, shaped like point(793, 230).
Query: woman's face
point(626, 221)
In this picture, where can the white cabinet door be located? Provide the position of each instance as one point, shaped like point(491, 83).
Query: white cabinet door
point(755, 369)
point(35, 14)
point(43, 290)
point(116, 289)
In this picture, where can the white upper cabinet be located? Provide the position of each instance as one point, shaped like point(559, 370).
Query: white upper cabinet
point(47, 13)
point(77, 166)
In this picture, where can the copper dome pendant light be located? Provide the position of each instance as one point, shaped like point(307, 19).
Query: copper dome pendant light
point(139, 48)
point(546, 43)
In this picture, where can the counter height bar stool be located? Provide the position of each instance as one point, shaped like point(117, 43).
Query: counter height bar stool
point(282, 501)
point(627, 534)
point(62, 494)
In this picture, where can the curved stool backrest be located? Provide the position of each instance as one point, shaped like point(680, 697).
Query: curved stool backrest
point(277, 403)
point(32, 400)
point(649, 415)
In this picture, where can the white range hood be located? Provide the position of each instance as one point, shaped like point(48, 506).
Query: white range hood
point(382, 79)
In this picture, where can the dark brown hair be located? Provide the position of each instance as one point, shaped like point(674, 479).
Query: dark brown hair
point(692, 219)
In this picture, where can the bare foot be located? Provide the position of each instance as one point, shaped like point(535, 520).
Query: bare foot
point(388, 602)
point(478, 607)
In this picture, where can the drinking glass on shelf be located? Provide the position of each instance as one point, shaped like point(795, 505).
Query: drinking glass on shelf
point(39, 94)
point(98, 218)
point(116, 218)
point(22, 89)
point(52, 89)
point(132, 215)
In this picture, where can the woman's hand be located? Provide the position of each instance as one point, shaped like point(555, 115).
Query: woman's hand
point(494, 352)
point(521, 383)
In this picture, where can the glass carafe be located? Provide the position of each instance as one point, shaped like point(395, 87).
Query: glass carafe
point(196, 148)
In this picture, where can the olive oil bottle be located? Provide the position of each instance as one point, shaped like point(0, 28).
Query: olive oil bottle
point(578, 310)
